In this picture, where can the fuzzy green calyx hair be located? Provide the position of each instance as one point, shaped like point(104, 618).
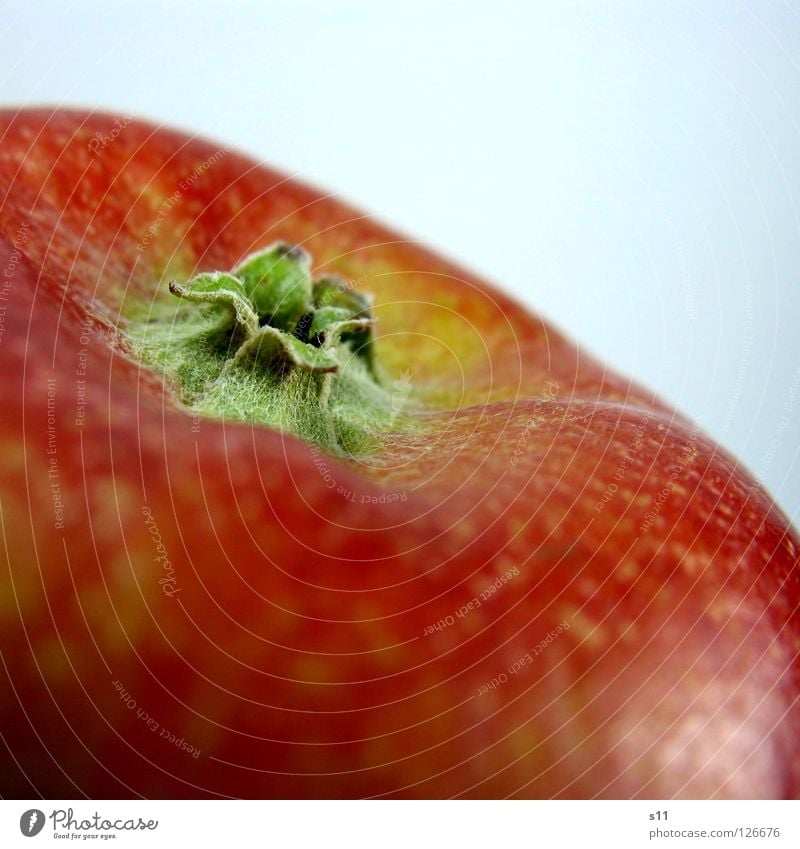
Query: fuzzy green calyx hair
point(266, 343)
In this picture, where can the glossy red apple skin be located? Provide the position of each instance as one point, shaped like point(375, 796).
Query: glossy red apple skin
point(298, 643)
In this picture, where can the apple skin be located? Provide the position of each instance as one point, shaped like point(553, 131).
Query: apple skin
point(311, 628)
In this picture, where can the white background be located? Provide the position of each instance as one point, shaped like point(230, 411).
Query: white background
point(629, 169)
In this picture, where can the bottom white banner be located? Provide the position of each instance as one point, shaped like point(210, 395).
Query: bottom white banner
point(402, 823)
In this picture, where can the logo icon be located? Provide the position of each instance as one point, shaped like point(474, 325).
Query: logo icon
point(31, 822)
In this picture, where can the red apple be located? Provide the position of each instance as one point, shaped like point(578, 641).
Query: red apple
point(486, 567)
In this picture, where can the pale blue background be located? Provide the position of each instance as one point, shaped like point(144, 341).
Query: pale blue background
point(630, 169)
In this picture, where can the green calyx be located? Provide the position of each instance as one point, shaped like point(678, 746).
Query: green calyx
point(266, 343)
